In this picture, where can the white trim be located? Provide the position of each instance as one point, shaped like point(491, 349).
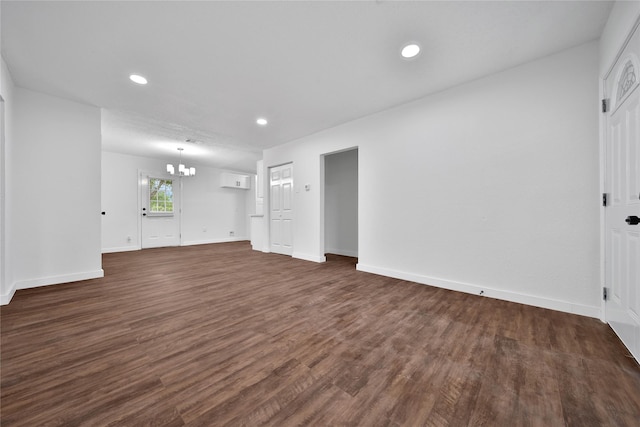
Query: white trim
point(602, 120)
point(322, 225)
point(623, 46)
point(308, 257)
point(552, 304)
point(180, 193)
point(56, 280)
point(353, 254)
point(187, 243)
point(209, 241)
point(6, 299)
point(3, 192)
point(51, 280)
point(121, 249)
point(140, 173)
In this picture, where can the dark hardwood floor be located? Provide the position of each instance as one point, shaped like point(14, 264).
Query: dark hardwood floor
point(222, 335)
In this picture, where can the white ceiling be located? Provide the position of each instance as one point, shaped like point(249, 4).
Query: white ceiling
point(214, 67)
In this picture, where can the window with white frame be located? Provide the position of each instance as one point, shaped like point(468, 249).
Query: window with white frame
point(160, 196)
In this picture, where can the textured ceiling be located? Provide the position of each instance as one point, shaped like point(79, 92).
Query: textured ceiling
point(214, 67)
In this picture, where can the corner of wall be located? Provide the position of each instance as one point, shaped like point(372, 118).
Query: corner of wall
point(308, 257)
point(5, 298)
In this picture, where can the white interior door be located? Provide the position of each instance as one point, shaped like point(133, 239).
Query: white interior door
point(160, 215)
point(2, 192)
point(281, 209)
point(622, 183)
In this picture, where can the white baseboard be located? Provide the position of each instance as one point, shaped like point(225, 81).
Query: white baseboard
point(6, 298)
point(51, 280)
point(209, 241)
point(308, 257)
point(343, 252)
point(120, 249)
point(552, 304)
point(187, 243)
point(262, 248)
point(56, 280)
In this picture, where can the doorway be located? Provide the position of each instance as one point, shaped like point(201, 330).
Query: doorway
point(341, 203)
point(160, 210)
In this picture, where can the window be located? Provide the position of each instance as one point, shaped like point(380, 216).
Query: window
point(160, 196)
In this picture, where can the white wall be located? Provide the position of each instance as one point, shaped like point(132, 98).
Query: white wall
point(490, 186)
point(209, 212)
point(6, 193)
point(53, 195)
point(341, 203)
point(621, 19)
point(207, 206)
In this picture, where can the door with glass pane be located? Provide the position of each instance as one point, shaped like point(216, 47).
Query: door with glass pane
point(622, 185)
point(160, 211)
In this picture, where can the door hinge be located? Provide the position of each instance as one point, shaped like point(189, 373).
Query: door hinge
point(605, 105)
point(604, 199)
point(605, 293)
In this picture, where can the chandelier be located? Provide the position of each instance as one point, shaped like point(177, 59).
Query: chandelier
point(182, 169)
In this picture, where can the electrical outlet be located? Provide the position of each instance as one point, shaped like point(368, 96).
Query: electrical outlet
point(232, 233)
point(128, 239)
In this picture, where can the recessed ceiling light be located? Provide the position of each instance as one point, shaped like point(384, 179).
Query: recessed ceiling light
point(410, 50)
point(262, 121)
point(138, 79)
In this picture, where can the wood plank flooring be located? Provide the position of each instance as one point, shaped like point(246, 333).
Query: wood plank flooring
point(217, 335)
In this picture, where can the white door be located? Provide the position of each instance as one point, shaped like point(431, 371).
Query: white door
point(160, 223)
point(2, 192)
point(281, 209)
point(622, 184)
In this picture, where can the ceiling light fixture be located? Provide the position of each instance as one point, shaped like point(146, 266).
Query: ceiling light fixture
point(138, 79)
point(410, 51)
point(182, 169)
point(262, 121)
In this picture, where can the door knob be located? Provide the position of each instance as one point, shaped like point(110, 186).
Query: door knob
point(144, 214)
point(632, 220)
